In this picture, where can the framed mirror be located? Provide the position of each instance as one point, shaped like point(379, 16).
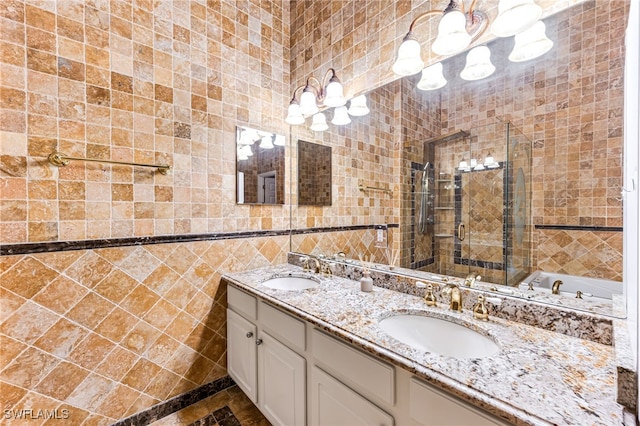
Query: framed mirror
point(259, 166)
point(314, 174)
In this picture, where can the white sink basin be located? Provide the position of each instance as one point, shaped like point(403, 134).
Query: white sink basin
point(438, 336)
point(290, 283)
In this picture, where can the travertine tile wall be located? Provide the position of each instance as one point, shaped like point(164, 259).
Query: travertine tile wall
point(99, 335)
point(109, 332)
point(158, 82)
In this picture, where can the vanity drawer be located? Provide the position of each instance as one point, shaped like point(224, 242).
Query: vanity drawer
point(358, 370)
point(429, 406)
point(283, 326)
point(242, 302)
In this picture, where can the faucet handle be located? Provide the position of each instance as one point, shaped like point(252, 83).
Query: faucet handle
point(429, 297)
point(325, 268)
point(480, 310)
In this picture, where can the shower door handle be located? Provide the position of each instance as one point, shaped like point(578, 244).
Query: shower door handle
point(461, 232)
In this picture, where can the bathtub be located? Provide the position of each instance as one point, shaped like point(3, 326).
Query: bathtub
point(590, 287)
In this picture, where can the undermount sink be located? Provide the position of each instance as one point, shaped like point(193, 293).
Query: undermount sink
point(290, 282)
point(438, 336)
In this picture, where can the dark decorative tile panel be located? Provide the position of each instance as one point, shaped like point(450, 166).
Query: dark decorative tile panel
point(177, 403)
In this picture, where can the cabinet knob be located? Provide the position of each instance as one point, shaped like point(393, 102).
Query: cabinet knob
point(249, 334)
point(258, 342)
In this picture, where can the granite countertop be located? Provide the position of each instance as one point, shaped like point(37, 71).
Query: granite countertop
point(539, 377)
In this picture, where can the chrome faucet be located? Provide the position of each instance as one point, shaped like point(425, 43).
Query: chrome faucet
point(470, 280)
point(453, 291)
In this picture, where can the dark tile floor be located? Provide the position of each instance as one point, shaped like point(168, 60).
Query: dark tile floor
point(230, 407)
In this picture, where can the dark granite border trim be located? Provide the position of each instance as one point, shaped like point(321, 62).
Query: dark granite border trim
point(29, 248)
point(55, 246)
point(318, 230)
point(580, 228)
point(176, 403)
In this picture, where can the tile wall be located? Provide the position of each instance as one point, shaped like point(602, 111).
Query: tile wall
point(108, 332)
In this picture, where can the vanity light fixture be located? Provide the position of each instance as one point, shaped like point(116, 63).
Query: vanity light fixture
point(266, 142)
point(358, 106)
point(478, 65)
point(279, 140)
point(456, 31)
point(315, 96)
point(515, 16)
point(341, 116)
point(319, 122)
point(432, 78)
point(531, 43)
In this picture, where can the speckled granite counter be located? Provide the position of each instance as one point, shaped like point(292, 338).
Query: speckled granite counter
point(539, 377)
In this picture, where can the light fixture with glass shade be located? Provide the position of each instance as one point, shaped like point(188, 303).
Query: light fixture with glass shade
point(478, 65)
point(319, 123)
point(315, 96)
point(432, 78)
point(279, 140)
point(456, 30)
point(531, 43)
point(358, 106)
point(515, 16)
point(341, 116)
point(266, 142)
point(452, 32)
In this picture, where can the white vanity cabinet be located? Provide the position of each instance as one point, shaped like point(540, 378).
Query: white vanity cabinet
point(269, 372)
point(297, 374)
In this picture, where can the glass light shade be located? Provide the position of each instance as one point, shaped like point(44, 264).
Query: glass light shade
point(452, 34)
point(408, 61)
point(245, 138)
point(308, 104)
point(358, 106)
point(488, 161)
point(531, 43)
point(515, 16)
point(280, 141)
point(334, 95)
point(341, 116)
point(294, 116)
point(241, 154)
point(432, 78)
point(266, 142)
point(319, 123)
point(463, 165)
point(245, 151)
point(478, 64)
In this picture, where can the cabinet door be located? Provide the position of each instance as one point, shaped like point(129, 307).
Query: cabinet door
point(281, 383)
point(242, 354)
point(334, 404)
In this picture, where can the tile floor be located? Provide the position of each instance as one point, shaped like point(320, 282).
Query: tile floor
point(230, 407)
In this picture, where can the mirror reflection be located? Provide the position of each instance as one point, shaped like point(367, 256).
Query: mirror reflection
point(314, 174)
point(259, 166)
point(453, 212)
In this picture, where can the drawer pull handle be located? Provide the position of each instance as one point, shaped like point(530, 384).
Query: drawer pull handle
point(258, 342)
point(249, 335)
